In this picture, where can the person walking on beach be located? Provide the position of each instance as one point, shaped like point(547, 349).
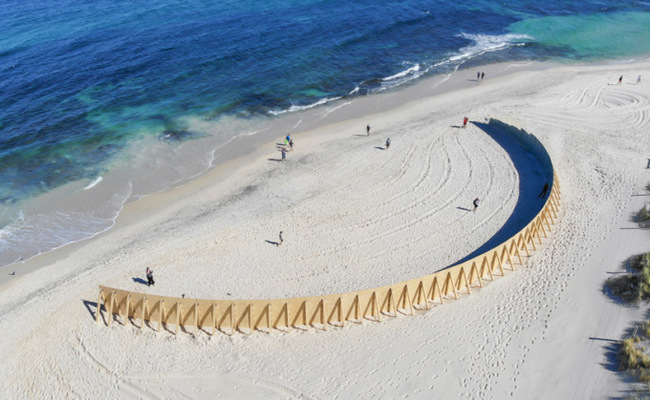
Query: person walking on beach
point(620, 80)
point(291, 145)
point(150, 280)
point(542, 194)
point(638, 79)
point(284, 153)
point(482, 75)
point(478, 76)
point(387, 143)
point(368, 130)
point(465, 122)
point(475, 203)
point(280, 239)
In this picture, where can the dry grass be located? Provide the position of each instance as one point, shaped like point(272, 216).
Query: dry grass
point(644, 214)
point(635, 285)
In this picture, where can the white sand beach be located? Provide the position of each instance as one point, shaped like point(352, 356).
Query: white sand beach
point(355, 215)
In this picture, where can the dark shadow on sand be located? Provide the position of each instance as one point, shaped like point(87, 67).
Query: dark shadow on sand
point(380, 148)
point(605, 340)
point(139, 280)
point(274, 159)
point(90, 306)
point(463, 208)
point(360, 135)
point(272, 242)
point(533, 165)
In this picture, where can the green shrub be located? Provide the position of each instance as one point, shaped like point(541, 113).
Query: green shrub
point(644, 214)
point(625, 287)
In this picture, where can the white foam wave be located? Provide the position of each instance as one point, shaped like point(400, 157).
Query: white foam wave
point(94, 183)
point(295, 108)
point(409, 71)
point(29, 236)
point(328, 112)
point(488, 43)
point(413, 72)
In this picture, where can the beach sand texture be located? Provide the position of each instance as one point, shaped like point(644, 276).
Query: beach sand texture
point(356, 216)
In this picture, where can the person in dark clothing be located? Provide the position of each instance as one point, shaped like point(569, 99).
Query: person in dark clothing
point(387, 143)
point(150, 280)
point(367, 130)
point(544, 191)
point(475, 203)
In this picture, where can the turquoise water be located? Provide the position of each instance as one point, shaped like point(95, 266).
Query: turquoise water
point(104, 102)
point(591, 37)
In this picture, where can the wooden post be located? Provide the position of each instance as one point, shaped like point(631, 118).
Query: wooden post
point(435, 285)
point(127, 308)
point(232, 318)
point(535, 228)
point(541, 225)
point(419, 294)
point(479, 273)
point(514, 244)
point(505, 249)
point(546, 215)
point(214, 319)
point(549, 214)
point(110, 308)
point(374, 307)
point(320, 311)
point(407, 295)
point(531, 237)
point(196, 318)
point(554, 205)
point(522, 238)
point(355, 304)
point(178, 317)
point(100, 299)
point(161, 314)
point(464, 275)
point(450, 282)
point(268, 316)
point(286, 315)
point(336, 308)
point(490, 267)
point(143, 312)
point(250, 319)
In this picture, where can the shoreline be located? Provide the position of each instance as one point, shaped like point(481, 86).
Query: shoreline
point(244, 148)
point(343, 201)
point(320, 118)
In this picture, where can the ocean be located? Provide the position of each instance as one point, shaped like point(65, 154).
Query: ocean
point(104, 102)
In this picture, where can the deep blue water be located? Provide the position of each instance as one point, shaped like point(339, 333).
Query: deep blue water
point(83, 84)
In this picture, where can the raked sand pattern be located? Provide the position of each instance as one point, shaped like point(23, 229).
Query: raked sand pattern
point(355, 216)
